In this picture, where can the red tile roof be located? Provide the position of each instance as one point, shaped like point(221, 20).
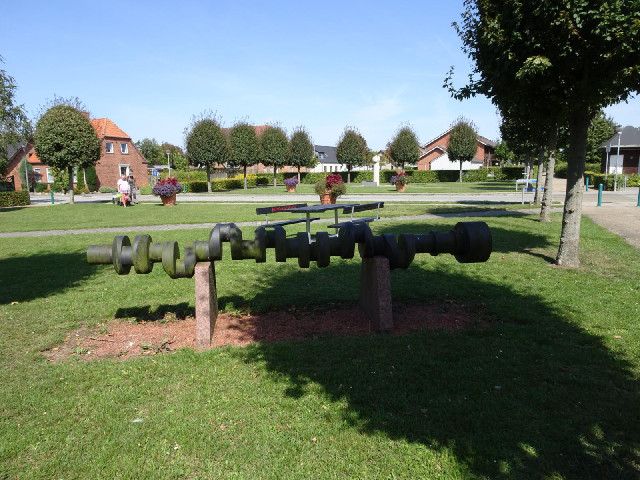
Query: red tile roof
point(106, 128)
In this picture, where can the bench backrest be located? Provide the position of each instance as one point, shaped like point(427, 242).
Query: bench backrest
point(278, 208)
point(362, 207)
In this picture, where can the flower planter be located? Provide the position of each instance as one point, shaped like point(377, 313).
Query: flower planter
point(401, 188)
point(168, 201)
point(326, 198)
point(291, 188)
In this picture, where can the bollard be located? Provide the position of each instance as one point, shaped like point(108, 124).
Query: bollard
point(587, 184)
point(184, 188)
point(638, 197)
point(600, 195)
point(51, 197)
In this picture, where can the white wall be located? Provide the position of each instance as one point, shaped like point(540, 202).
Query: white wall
point(443, 163)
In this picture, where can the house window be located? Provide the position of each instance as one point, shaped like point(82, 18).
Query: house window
point(123, 148)
point(109, 147)
point(50, 178)
point(124, 170)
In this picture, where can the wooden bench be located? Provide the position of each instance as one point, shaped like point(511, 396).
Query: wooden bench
point(359, 208)
point(282, 208)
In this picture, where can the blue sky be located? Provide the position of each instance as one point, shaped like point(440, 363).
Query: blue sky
point(151, 66)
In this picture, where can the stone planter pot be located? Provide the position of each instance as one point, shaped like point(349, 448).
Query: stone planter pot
point(401, 188)
point(168, 201)
point(291, 188)
point(326, 198)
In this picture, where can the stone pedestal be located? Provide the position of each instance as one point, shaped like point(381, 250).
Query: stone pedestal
point(375, 292)
point(206, 303)
point(376, 169)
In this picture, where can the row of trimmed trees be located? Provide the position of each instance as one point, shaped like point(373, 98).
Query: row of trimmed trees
point(208, 144)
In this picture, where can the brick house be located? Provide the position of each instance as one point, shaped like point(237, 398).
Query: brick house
point(433, 155)
point(118, 156)
point(629, 160)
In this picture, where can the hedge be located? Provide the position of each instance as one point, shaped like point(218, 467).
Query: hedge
point(595, 179)
point(14, 199)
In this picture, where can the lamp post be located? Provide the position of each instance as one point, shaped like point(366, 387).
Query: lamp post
point(606, 166)
point(168, 164)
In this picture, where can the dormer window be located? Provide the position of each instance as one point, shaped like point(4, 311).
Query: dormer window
point(109, 147)
point(123, 148)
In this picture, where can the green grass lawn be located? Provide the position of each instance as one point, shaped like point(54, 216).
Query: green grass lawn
point(86, 215)
point(549, 390)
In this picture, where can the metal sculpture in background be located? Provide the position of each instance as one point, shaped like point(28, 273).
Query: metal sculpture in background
point(469, 242)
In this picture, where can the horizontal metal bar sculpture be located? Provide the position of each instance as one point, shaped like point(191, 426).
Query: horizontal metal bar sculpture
point(469, 242)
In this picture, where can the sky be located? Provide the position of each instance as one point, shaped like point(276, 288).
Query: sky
point(151, 67)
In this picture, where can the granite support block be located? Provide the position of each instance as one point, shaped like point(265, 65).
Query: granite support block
point(206, 303)
point(375, 292)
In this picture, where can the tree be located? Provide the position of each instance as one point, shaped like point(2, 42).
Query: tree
point(245, 147)
point(206, 143)
point(177, 159)
point(404, 147)
point(463, 142)
point(65, 139)
point(151, 151)
point(504, 154)
point(302, 152)
point(570, 59)
point(351, 150)
point(275, 148)
point(14, 124)
point(601, 129)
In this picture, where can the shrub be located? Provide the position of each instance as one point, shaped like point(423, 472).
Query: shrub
point(144, 190)
point(78, 190)
point(498, 175)
point(196, 186)
point(479, 175)
point(91, 178)
point(560, 170)
point(14, 199)
point(513, 173)
point(41, 187)
point(113, 190)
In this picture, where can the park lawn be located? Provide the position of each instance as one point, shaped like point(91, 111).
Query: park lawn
point(549, 389)
point(507, 186)
point(101, 215)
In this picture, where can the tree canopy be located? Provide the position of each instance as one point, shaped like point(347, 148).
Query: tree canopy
point(65, 139)
point(14, 124)
point(404, 147)
point(151, 151)
point(351, 150)
point(275, 148)
point(463, 142)
point(558, 62)
point(302, 152)
point(206, 144)
point(245, 147)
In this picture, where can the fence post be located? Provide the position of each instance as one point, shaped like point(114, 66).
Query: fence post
point(600, 195)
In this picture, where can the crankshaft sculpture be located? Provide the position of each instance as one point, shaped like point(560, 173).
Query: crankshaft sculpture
point(469, 242)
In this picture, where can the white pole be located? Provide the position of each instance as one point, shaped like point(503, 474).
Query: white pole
point(618, 159)
point(606, 166)
point(168, 163)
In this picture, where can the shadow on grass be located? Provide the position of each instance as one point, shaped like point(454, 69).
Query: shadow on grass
point(533, 396)
point(28, 277)
point(144, 313)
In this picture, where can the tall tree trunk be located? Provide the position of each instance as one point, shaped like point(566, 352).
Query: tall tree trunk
point(460, 176)
point(547, 198)
point(349, 174)
point(245, 177)
point(208, 178)
point(569, 249)
point(70, 170)
point(275, 169)
point(298, 173)
point(537, 197)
